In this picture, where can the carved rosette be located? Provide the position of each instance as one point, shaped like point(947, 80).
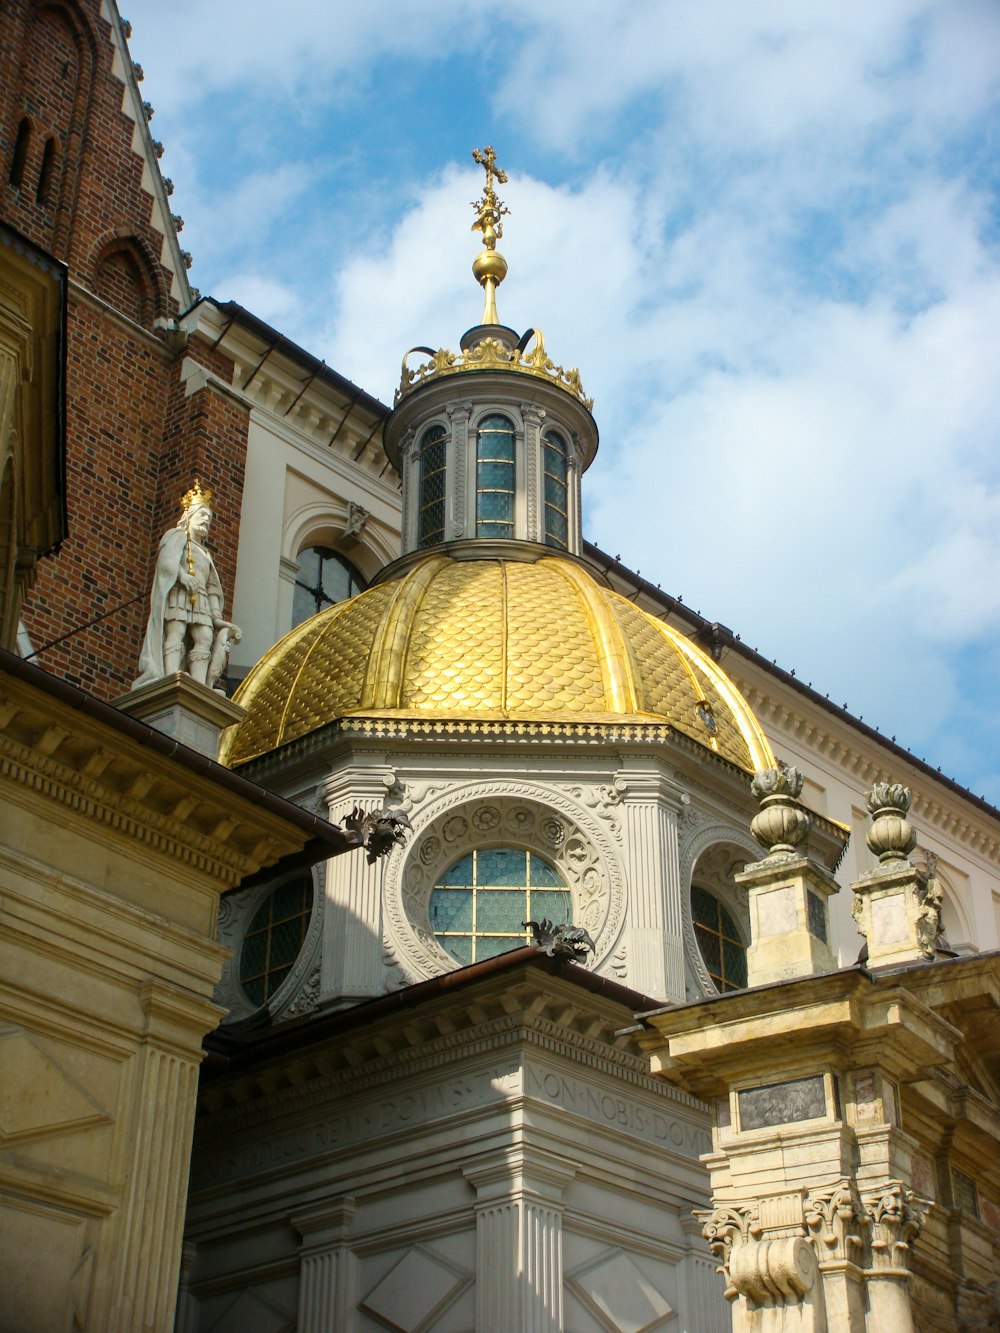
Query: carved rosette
point(891, 836)
point(781, 823)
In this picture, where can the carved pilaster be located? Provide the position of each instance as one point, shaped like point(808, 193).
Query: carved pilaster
point(697, 1284)
point(656, 947)
point(351, 954)
point(165, 1086)
point(409, 456)
point(458, 520)
point(519, 1210)
point(328, 1270)
point(533, 417)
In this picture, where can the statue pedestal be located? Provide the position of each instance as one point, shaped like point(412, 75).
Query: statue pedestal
point(184, 709)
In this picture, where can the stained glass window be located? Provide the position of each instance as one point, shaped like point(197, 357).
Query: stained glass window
point(274, 940)
point(478, 906)
point(324, 577)
point(495, 478)
point(556, 469)
point(719, 940)
point(432, 477)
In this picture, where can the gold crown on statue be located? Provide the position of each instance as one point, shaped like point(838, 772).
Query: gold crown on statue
point(196, 496)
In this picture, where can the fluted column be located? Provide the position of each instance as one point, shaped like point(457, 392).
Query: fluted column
point(519, 1280)
point(161, 1127)
point(649, 833)
point(351, 964)
point(328, 1294)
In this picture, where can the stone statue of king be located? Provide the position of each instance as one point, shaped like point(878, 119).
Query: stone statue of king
point(186, 630)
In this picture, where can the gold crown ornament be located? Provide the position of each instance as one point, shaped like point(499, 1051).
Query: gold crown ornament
point(196, 496)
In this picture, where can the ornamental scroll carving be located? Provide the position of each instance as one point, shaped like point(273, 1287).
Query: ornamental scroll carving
point(602, 800)
point(767, 1271)
point(545, 821)
point(896, 1215)
point(836, 1221)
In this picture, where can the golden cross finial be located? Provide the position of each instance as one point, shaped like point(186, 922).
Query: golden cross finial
point(489, 266)
point(489, 209)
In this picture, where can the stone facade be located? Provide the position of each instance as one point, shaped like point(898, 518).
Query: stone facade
point(488, 1154)
point(115, 846)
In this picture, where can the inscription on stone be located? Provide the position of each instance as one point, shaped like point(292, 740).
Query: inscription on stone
point(360, 1123)
point(617, 1109)
point(782, 1103)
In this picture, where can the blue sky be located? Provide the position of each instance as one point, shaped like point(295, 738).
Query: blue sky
point(768, 234)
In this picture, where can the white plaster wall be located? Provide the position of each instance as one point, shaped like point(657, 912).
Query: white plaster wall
point(297, 494)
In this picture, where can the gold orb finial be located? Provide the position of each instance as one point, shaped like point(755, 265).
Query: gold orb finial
point(489, 266)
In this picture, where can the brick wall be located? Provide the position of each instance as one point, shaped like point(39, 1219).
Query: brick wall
point(135, 439)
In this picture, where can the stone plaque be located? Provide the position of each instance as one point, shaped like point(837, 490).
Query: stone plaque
point(782, 1103)
point(889, 919)
point(776, 911)
point(817, 916)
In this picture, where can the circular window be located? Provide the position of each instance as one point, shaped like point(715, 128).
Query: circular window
point(722, 949)
point(478, 907)
point(274, 939)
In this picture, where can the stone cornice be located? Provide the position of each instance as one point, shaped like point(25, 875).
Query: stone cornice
point(480, 1025)
point(51, 750)
point(459, 731)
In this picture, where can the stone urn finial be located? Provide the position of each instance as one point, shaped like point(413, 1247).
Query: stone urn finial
point(781, 823)
point(891, 836)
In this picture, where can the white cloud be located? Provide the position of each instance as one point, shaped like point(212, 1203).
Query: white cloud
point(777, 272)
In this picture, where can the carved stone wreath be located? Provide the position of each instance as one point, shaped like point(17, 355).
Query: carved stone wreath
point(235, 914)
point(488, 814)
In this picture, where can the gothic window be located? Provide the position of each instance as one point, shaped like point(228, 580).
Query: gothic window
point(556, 469)
point(20, 154)
point(432, 476)
point(120, 281)
point(478, 907)
point(323, 578)
point(495, 478)
point(44, 192)
point(274, 939)
point(722, 948)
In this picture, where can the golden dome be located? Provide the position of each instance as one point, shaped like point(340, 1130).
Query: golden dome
point(492, 640)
